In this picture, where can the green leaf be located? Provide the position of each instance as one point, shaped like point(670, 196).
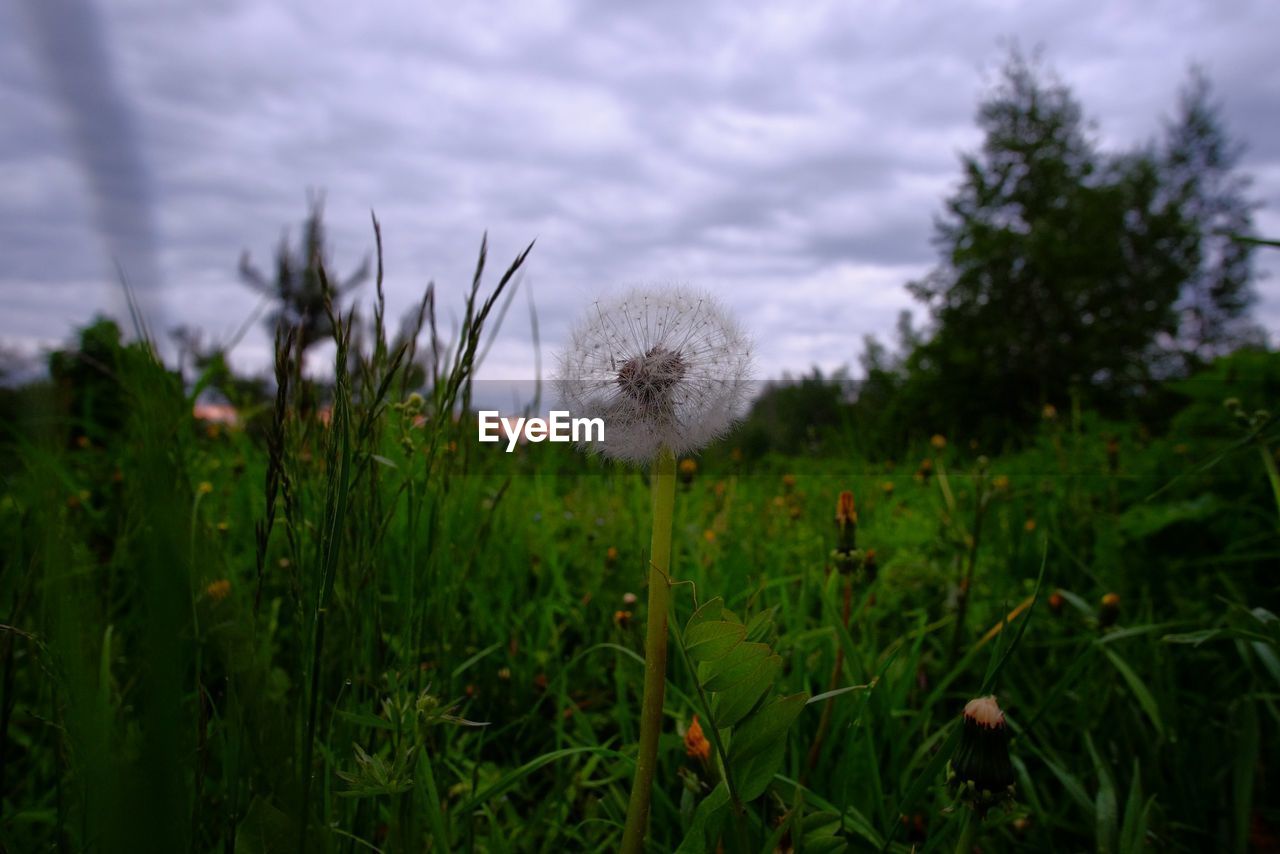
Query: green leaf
point(713, 639)
point(704, 819)
point(711, 610)
point(1139, 690)
point(758, 746)
point(726, 672)
point(1105, 810)
point(760, 627)
point(820, 832)
point(735, 702)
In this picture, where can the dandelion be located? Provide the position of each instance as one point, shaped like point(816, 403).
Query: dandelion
point(696, 745)
point(709, 535)
point(688, 468)
point(938, 441)
point(887, 488)
point(666, 371)
point(980, 773)
point(1000, 483)
point(1029, 526)
point(622, 619)
point(1049, 413)
point(611, 556)
point(218, 590)
point(788, 484)
point(205, 487)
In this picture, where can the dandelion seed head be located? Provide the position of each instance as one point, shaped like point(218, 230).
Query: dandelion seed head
point(662, 367)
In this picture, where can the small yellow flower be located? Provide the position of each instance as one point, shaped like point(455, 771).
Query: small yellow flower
point(696, 745)
point(218, 590)
point(688, 467)
point(224, 526)
point(1049, 413)
point(1000, 482)
point(1029, 525)
point(788, 483)
point(938, 441)
point(205, 487)
point(504, 673)
point(611, 556)
point(709, 535)
point(887, 486)
point(622, 619)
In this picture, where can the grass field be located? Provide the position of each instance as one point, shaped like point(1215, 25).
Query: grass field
point(365, 631)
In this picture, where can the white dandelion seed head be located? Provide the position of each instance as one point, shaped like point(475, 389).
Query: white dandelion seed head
point(662, 367)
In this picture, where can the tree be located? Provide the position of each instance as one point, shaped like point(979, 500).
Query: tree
point(297, 286)
point(1060, 268)
point(1200, 161)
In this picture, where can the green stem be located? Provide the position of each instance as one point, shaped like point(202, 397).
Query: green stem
point(967, 830)
point(1269, 462)
point(655, 652)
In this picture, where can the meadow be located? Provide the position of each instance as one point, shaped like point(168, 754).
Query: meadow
point(344, 625)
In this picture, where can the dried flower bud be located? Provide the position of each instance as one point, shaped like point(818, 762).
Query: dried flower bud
point(980, 772)
point(1109, 612)
point(696, 745)
point(846, 524)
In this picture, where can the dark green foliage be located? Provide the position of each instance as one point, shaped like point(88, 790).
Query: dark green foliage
point(1199, 160)
point(1060, 269)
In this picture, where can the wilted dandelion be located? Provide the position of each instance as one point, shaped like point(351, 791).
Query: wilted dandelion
point(980, 773)
point(663, 368)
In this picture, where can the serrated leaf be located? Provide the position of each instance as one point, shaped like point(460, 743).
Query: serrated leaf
point(713, 639)
point(736, 702)
point(733, 668)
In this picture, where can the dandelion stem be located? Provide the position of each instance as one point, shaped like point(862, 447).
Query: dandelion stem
point(663, 485)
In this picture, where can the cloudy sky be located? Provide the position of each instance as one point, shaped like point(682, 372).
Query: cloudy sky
point(787, 157)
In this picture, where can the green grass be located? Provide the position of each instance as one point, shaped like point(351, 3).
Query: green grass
point(415, 643)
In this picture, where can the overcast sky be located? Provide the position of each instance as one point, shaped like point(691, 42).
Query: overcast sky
point(788, 157)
